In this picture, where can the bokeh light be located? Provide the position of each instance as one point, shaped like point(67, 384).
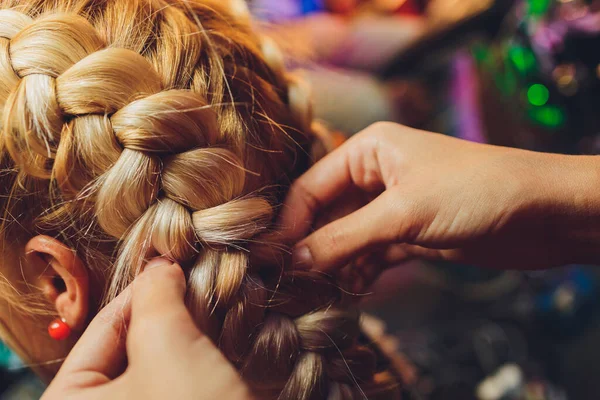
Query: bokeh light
point(538, 95)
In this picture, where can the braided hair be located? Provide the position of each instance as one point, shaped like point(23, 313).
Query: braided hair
point(142, 128)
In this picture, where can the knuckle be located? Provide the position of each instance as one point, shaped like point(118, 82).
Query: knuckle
point(382, 126)
point(379, 135)
point(306, 196)
point(383, 129)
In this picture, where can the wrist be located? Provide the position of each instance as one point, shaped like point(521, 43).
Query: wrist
point(566, 190)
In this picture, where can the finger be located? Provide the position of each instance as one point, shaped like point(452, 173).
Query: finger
point(370, 269)
point(158, 312)
point(400, 253)
point(334, 245)
point(322, 184)
point(403, 252)
point(100, 350)
point(272, 250)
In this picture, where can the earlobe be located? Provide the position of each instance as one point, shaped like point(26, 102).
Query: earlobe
point(62, 278)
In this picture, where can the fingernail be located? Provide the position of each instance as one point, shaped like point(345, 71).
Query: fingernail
point(157, 263)
point(302, 257)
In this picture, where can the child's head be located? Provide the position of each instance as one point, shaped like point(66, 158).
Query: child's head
point(138, 128)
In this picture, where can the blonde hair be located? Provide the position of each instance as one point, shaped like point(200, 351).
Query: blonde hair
point(138, 128)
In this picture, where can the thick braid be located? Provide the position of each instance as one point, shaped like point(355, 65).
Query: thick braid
point(12, 23)
point(168, 134)
point(37, 57)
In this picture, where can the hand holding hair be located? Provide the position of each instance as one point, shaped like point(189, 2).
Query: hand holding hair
point(166, 355)
point(441, 198)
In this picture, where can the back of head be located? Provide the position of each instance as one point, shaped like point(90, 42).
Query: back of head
point(139, 128)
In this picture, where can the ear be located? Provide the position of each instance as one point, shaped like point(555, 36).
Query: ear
point(62, 278)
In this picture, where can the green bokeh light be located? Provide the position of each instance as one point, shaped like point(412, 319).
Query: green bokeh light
point(548, 116)
point(539, 7)
point(538, 94)
point(522, 58)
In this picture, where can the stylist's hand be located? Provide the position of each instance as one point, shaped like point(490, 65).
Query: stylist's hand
point(168, 358)
point(441, 198)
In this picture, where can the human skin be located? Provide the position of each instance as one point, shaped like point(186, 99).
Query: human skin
point(441, 198)
point(148, 328)
point(435, 197)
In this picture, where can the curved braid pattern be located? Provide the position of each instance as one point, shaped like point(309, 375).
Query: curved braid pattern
point(167, 137)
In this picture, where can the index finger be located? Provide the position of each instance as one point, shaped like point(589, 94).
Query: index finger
point(159, 314)
point(318, 187)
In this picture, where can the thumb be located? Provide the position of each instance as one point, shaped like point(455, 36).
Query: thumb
point(341, 241)
point(158, 313)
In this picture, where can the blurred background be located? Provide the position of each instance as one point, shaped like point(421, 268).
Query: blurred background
point(521, 73)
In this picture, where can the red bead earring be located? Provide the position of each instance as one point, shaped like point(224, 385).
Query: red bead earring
point(58, 329)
